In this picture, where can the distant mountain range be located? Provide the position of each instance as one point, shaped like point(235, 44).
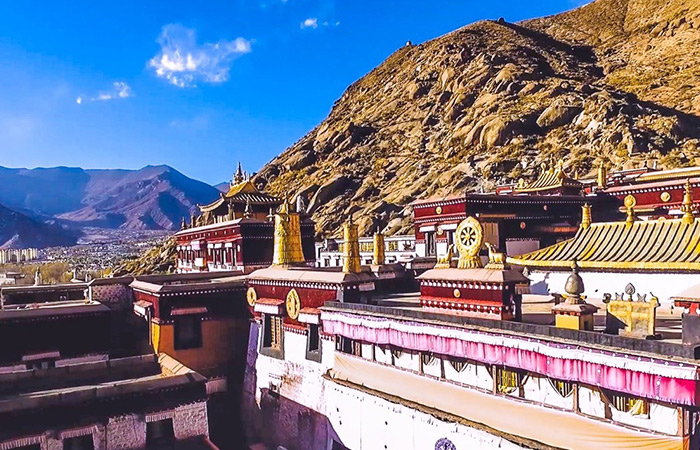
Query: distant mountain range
point(155, 197)
point(20, 231)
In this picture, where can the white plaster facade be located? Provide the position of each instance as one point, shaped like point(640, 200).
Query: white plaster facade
point(313, 411)
point(308, 410)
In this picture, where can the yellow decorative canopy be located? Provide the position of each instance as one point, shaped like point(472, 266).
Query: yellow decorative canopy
point(657, 245)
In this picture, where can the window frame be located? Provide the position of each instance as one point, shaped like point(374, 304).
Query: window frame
point(271, 336)
point(313, 354)
point(196, 341)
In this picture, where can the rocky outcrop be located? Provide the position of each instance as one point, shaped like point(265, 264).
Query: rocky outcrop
point(488, 103)
point(159, 259)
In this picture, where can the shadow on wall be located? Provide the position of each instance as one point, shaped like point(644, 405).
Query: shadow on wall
point(278, 421)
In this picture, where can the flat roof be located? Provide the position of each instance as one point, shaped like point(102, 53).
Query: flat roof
point(40, 388)
point(178, 283)
point(50, 309)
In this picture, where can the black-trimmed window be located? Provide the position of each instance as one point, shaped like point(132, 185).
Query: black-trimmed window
point(160, 434)
point(272, 336)
point(271, 343)
point(188, 333)
point(79, 443)
point(313, 342)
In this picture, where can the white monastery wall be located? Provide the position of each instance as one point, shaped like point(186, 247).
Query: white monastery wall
point(597, 284)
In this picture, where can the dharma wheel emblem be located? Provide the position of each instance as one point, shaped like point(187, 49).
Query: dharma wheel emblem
point(469, 239)
point(251, 296)
point(293, 304)
point(444, 444)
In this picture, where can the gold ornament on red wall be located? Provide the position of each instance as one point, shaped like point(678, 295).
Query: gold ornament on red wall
point(251, 296)
point(438, 210)
point(665, 196)
point(456, 293)
point(293, 304)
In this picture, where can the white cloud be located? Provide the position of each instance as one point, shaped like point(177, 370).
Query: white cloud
point(311, 22)
point(118, 90)
point(183, 62)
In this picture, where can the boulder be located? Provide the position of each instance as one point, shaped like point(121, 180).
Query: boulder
point(300, 159)
point(557, 115)
point(329, 190)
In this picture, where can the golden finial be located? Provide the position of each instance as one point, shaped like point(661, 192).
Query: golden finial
point(602, 178)
point(630, 203)
point(288, 249)
point(379, 256)
point(687, 205)
point(586, 216)
point(351, 258)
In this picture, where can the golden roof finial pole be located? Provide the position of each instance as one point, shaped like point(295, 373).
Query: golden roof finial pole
point(379, 251)
point(602, 178)
point(288, 250)
point(687, 205)
point(586, 219)
point(351, 258)
point(630, 203)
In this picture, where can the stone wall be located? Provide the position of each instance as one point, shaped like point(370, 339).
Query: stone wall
point(128, 432)
point(116, 296)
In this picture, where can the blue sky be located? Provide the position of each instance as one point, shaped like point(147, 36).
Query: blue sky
point(197, 85)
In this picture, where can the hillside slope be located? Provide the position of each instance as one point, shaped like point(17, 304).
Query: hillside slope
point(155, 197)
point(20, 231)
point(488, 103)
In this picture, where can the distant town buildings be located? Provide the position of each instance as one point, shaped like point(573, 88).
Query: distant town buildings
point(18, 255)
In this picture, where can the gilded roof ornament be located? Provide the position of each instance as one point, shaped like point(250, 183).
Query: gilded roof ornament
point(497, 260)
point(287, 247)
point(351, 257)
point(469, 239)
point(687, 206)
point(574, 286)
point(630, 203)
point(445, 262)
point(586, 219)
point(602, 177)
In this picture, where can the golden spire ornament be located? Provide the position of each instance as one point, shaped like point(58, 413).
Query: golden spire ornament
point(602, 178)
point(351, 258)
point(288, 250)
point(687, 206)
point(379, 252)
point(586, 216)
point(630, 203)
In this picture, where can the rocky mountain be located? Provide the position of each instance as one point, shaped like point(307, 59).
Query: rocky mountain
point(616, 81)
point(155, 197)
point(20, 231)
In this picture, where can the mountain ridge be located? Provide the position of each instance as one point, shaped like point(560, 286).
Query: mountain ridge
point(491, 101)
point(153, 197)
point(20, 231)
